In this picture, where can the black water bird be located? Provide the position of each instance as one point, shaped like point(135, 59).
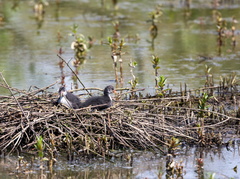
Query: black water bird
point(100, 102)
point(68, 99)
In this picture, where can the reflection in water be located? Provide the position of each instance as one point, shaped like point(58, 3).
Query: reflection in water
point(177, 39)
point(15, 5)
point(117, 45)
point(224, 32)
point(187, 9)
point(116, 35)
point(61, 66)
point(76, 73)
point(189, 163)
point(39, 12)
point(57, 10)
point(154, 29)
point(177, 45)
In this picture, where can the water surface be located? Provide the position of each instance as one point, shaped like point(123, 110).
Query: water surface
point(29, 45)
point(28, 57)
point(218, 162)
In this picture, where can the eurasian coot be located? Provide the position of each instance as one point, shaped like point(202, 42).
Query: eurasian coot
point(100, 102)
point(68, 99)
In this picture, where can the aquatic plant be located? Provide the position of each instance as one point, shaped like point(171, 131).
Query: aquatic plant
point(40, 146)
point(229, 83)
point(223, 31)
point(235, 169)
point(68, 141)
point(233, 28)
point(173, 144)
point(117, 45)
point(63, 60)
point(173, 168)
point(39, 7)
point(79, 45)
point(51, 149)
point(187, 8)
point(61, 65)
point(116, 54)
point(116, 34)
point(202, 101)
point(115, 4)
point(209, 77)
point(155, 64)
point(187, 3)
point(134, 81)
point(200, 169)
point(212, 176)
point(20, 160)
point(160, 81)
point(202, 104)
point(154, 15)
point(221, 27)
point(39, 11)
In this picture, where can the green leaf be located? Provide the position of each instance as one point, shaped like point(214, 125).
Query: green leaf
point(110, 40)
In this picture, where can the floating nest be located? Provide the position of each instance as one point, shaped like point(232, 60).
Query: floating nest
point(152, 122)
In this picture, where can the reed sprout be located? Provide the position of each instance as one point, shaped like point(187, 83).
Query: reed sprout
point(155, 64)
point(80, 45)
point(173, 169)
point(209, 76)
point(40, 146)
point(134, 81)
point(160, 81)
point(116, 54)
point(224, 31)
point(203, 101)
point(173, 144)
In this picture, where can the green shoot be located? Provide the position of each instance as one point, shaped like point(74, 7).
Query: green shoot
point(202, 103)
point(161, 82)
point(40, 146)
point(173, 144)
point(79, 45)
point(209, 76)
point(134, 80)
point(74, 28)
point(155, 61)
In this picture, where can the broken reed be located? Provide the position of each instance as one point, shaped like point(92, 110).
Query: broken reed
point(147, 123)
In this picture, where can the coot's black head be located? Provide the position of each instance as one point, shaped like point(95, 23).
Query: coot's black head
point(108, 90)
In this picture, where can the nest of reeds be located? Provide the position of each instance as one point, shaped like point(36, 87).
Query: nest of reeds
point(157, 123)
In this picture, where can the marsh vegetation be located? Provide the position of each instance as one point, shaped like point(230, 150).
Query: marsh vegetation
point(175, 68)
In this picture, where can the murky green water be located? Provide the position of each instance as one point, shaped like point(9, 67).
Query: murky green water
point(29, 44)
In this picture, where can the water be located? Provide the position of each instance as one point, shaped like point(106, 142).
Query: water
point(218, 162)
point(28, 48)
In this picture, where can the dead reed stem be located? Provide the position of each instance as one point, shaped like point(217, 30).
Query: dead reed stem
point(74, 73)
